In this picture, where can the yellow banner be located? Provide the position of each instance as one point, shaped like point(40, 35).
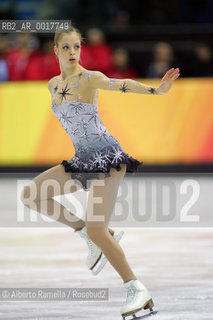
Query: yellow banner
point(173, 128)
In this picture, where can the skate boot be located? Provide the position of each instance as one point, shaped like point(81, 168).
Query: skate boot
point(138, 297)
point(95, 252)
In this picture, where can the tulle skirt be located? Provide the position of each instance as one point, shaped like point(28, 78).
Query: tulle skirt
point(85, 169)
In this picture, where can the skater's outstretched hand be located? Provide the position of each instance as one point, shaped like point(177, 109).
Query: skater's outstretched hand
point(168, 80)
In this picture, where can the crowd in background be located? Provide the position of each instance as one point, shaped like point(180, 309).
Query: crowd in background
point(25, 60)
point(22, 58)
point(27, 56)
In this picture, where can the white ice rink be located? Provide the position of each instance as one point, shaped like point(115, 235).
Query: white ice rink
point(176, 265)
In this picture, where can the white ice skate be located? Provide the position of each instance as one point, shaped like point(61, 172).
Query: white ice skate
point(95, 252)
point(138, 297)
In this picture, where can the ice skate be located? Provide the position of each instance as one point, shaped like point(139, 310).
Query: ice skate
point(95, 254)
point(138, 298)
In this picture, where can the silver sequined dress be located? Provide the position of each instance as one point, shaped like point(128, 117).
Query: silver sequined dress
point(96, 150)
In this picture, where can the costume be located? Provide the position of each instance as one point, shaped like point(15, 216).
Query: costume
point(96, 150)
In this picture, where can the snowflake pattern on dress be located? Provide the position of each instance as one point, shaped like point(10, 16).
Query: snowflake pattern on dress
point(101, 134)
point(74, 162)
point(96, 150)
point(65, 117)
point(93, 116)
point(117, 155)
point(77, 108)
point(99, 159)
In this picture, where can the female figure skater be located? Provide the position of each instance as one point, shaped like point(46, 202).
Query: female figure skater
point(98, 156)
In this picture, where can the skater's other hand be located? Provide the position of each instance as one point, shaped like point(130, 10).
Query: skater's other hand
point(168, 80)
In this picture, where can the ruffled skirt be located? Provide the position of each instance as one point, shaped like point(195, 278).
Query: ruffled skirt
point(86, 169)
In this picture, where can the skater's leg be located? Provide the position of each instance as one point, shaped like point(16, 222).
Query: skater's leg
point(98, 232)
point(37, 196)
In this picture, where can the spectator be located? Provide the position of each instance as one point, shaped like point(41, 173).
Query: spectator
point(4, 47)
point(96, 54)
point(50, 65)
point(203, 64)
point(25, 63)
point(120, 68)
point(163, 59)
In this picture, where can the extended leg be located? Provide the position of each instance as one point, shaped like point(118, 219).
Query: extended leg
point(98, 232)
point(52, 182)
point(38, 195)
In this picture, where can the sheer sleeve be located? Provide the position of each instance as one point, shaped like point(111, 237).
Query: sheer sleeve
point(101, 81)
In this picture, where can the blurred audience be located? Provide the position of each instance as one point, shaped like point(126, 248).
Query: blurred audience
point(50, 65)
point(203, 64)
point(96, 54)
point(4, 74)
point(23, 58)
point(24, 61)
point(4, 51)
point(4, 47)
point(163, 59)
point(120, 65)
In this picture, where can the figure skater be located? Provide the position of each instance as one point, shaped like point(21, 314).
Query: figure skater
point(98, 156)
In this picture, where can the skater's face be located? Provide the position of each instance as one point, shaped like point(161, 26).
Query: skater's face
point(69, 49)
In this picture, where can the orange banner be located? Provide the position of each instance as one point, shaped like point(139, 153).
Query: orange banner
point(173, 128)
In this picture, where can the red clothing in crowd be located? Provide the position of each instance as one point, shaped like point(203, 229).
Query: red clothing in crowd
point(32, 65)
point(24, 65)
point(96, 57)
point(50, 66)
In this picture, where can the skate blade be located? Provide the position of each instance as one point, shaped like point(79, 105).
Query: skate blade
point(104, 260)
point(149, 314)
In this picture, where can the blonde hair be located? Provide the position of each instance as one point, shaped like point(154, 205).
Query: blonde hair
point(61, 31)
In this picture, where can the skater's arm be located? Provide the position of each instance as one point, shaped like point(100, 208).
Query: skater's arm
point(100, 81)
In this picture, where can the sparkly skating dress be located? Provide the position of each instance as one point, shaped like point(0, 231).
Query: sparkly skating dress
point(96, 150)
